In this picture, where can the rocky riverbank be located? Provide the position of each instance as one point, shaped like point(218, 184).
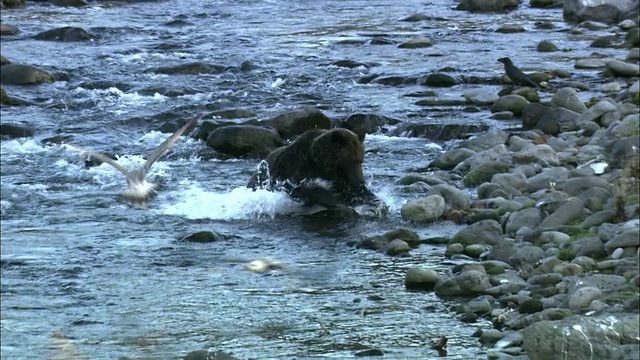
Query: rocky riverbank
point(550, 254)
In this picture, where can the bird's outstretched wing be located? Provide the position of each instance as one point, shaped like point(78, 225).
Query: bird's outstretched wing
point(101, 157)
point(157, 153)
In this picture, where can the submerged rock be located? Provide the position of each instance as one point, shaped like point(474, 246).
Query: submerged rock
point(66, 34)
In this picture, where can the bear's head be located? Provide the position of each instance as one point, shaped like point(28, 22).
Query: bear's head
point(339, 154)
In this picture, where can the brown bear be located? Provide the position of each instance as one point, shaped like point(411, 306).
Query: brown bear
point(319, 167)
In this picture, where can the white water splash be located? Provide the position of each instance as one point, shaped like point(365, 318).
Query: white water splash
point(239, 203)
point(16, 147)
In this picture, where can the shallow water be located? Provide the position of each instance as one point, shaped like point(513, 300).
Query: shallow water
point(116, 281)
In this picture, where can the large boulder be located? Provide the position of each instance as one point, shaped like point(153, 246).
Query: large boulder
point(244, 140)
point(295, 122)
point(19, 74)
point(425, 209)
point(487, 232)
point(607, 336)
point(606, 11)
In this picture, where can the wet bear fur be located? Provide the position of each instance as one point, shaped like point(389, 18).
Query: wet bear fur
point(319, 167)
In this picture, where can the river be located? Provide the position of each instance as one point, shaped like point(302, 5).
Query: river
point(115, 281)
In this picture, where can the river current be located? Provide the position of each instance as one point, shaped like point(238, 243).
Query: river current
point(110, 281)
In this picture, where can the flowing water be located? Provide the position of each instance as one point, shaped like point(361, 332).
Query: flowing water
point(113, 281)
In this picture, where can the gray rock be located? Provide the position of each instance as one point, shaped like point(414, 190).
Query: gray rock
point(12, 131)
point(605, 282)
point(595, 112)
point(244, 140)
point(629, 238)
point(633, 224)
point(568, 269)
point(502, 115)
point(490, 336)
point(466, 284)
point(568, 98)
point(415, 43)
point(622, 68)
point(527, 217)
point(455, 198)
point(595, 198)
point(66, 34)
point(484, 172)
point(554, 237)
point(411, 178)
point(589, 64)
point(545, 279)
point(420, 278)
point(541, 154)
point(526, 254)
point(480, 96)
point(485, 141)
point(589, 246)
point(580, 337)
point(294, 122)
point(584, 262)
point(546, 178)
point(511, 338)
point(516, 180)
point(546, 314)
point(606, 11)
point(474, 250)
point(513, 103)
point(497, 153)
point(208, 355)
point(567, 212)
point(578, 185)
point(407, 235)
point(546, 46)
point(396, 247)
point(551, 201)
point(510, 29)
point(582, 298)
point(627, 127)
point(203, 237)
point(453, 249)
point(478, 306)
point(451, 158)
point(487, 232)
point(425, 209)
point(502, 251)
point(19, 74)
point(617, 253)
point(8, 29)
point(438, 80)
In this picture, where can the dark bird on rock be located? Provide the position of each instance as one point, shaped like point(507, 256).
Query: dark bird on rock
point(139, 190)
point(516, 75)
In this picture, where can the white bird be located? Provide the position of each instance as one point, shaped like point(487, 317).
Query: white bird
point(139, 190)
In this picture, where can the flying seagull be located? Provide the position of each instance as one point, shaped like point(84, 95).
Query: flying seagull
point(139, 190)
point(516, 75)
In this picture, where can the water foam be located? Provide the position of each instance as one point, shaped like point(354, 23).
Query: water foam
point(239, 203)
